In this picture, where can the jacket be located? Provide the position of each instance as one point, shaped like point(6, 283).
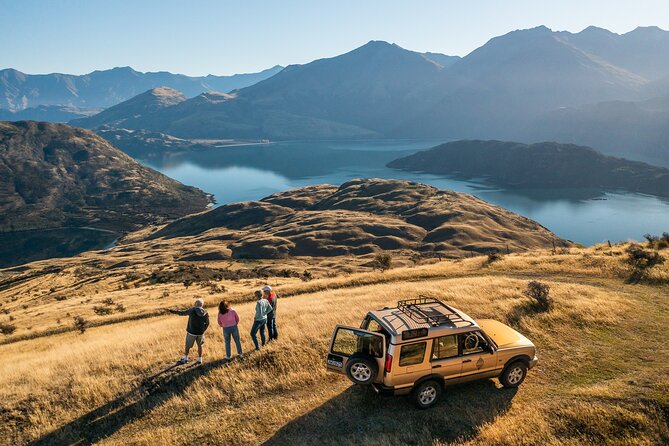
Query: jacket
point(198, 320)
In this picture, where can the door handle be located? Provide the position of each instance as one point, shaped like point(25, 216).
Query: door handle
point(436, 366)
point(466, 360)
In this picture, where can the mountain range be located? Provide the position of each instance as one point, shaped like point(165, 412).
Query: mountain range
point(502, 90)
point(101, 89)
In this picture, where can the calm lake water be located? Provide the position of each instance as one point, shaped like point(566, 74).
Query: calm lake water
point(252, 172)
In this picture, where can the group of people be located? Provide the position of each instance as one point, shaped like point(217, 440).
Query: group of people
point(228, 320)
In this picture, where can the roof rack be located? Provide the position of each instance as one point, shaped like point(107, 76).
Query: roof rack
point(432, 311)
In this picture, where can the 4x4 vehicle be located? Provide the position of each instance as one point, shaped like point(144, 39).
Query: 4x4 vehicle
point(423, 345)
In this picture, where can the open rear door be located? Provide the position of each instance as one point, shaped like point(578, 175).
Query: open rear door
point(350, 342)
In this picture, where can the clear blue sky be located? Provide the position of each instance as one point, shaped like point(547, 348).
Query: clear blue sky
point(224, 37)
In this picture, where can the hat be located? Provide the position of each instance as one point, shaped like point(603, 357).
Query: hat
point(267, 288)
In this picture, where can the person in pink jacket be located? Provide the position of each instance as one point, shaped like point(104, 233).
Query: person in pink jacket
point(228, 320)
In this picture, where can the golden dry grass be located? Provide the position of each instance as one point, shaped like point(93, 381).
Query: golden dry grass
point(602, 379)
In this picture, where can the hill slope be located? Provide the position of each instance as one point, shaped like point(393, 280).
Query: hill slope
point(54, 175)
point(359, 217)
point(135, 107)
point(541, 165)
point(601, 377)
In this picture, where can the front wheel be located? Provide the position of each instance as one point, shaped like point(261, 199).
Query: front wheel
point(361, 370)
point(514, 375)
point(426, 394)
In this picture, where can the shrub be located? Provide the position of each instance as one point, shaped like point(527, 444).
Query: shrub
point(102, 311)
point(108, 301)
point(493, 256)
point(60, 297)
point(306, 276)
point(651, 239)
point(80, 324)
point(217, 289)
point(166, 293)
point(641, 260)
point(7, 329)
point(383, 261)
point(539, 295)
point(120, 308)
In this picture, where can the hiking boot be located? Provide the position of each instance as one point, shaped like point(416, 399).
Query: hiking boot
point(182, 361)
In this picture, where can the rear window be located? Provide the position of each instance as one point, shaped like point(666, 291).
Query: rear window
point(412, 354)
point(348, 341)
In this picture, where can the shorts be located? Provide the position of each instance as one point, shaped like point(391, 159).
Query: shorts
point(192, 339)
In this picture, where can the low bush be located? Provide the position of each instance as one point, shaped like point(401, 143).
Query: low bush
point(383, 261)
point(539, 294)
point(102, 311)
point(7, 329)
point(80, 324)
point(641, 260)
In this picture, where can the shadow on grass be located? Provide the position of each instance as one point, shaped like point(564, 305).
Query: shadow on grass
point(109, 418)
point(359, 416)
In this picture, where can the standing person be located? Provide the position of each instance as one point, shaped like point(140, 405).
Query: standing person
point(263, 308)
point(272, 297)
point(198, 322)
point(228, 320)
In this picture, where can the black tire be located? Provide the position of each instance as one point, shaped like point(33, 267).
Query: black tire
point(361, 369)
point(426, 394)
point(514, 374)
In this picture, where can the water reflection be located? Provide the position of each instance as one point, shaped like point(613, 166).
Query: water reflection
point(251, 172)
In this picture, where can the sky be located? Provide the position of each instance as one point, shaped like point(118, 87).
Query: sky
point(222, 37)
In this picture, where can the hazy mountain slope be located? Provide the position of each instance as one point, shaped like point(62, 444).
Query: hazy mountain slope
point(383, 90)
point(138, 106)
point(50, 113)
point(501, 86)
point(54, 175)
point(638, 130)
point(359, 217)
point(642, 51)
point(102, 89)
point(362, 93)
point(541, 165)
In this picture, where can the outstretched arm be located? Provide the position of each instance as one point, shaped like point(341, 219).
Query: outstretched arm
point(179, 312)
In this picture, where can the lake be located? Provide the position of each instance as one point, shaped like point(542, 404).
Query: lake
point(252, 172)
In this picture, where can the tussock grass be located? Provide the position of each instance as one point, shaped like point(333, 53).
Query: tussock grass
point(602, 376)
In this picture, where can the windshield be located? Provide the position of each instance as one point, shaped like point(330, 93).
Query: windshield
point(349, 341)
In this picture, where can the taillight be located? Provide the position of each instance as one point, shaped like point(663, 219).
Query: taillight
point(389, 363)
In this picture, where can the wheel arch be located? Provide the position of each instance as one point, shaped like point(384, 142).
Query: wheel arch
point(433, 377)
point(522, 358)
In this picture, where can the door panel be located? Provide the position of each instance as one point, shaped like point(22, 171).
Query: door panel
point(347, 341)
point(478, 356)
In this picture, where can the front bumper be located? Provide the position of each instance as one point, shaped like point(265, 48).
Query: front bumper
point(533, 362)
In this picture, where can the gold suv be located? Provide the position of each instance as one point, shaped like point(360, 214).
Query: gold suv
point(423, 345)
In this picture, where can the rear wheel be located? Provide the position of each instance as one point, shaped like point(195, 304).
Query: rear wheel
point(514, 374)
point(426, 394)
point(362, 370)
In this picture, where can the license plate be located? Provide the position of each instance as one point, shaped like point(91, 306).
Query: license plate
point(336, 361)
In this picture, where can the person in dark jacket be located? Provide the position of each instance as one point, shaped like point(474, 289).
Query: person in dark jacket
point(198, 322)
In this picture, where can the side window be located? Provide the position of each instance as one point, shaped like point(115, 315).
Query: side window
point(412, 354)
point(374, 326)
point(473, 342)
point(445, 347)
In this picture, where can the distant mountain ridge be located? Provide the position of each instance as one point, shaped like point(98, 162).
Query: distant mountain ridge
point(105, 88)
point(381, 90)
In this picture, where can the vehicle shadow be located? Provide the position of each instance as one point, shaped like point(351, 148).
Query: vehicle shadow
point(359, 416)
point(112, 416)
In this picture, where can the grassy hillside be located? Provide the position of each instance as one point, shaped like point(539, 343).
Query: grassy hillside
point(602, 376)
